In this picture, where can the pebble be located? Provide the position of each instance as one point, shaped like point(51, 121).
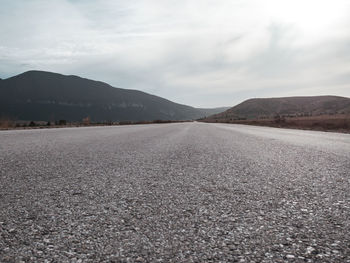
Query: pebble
point(173, 193)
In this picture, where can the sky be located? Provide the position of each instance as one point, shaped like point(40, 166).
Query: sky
point(203, 53)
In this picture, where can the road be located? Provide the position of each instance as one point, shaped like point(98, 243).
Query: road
point(188, 192)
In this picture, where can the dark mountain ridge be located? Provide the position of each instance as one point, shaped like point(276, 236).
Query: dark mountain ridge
point(40, 95)
point(286, 106)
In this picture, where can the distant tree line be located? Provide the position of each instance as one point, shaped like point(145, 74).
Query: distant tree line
point(7, 123)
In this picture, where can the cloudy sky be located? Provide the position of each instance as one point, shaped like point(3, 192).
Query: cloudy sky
point(203, 53)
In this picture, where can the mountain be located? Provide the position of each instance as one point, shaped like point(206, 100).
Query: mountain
point(39, 95)
point(212, 111)
point(288, 106)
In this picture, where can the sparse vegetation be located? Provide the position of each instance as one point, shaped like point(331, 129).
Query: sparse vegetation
point(325, 113)
point(8, 124)
point(87, 120)
point(339, 122)
point(62, 122)
point(32, 124)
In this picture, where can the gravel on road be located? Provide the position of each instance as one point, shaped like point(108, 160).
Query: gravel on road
point(188, 192)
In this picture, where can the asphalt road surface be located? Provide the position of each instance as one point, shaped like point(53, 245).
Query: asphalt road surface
point(189, 192)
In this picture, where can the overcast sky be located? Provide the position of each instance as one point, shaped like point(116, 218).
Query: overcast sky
point(203, 53)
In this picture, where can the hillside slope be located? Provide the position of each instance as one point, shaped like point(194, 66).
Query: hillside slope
point(287, 106)
point(39, 95)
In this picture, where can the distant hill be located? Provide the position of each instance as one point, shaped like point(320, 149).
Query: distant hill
point(39, 95)
point(288, 106)
point(212, 111)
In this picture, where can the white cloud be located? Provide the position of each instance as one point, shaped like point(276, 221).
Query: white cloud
point(203, 53)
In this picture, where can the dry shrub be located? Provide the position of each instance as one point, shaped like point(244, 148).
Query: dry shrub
point(326, 122)
point(340, 122)
point(7, 123)
point(87, 120)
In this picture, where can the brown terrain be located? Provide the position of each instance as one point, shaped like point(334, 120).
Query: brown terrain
point(326, 113)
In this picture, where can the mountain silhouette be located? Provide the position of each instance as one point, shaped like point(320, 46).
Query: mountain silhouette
point(40, 95)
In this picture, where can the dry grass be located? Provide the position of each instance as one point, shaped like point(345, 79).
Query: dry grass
point(9, 125)
point(338, 123)
point(6, 123)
